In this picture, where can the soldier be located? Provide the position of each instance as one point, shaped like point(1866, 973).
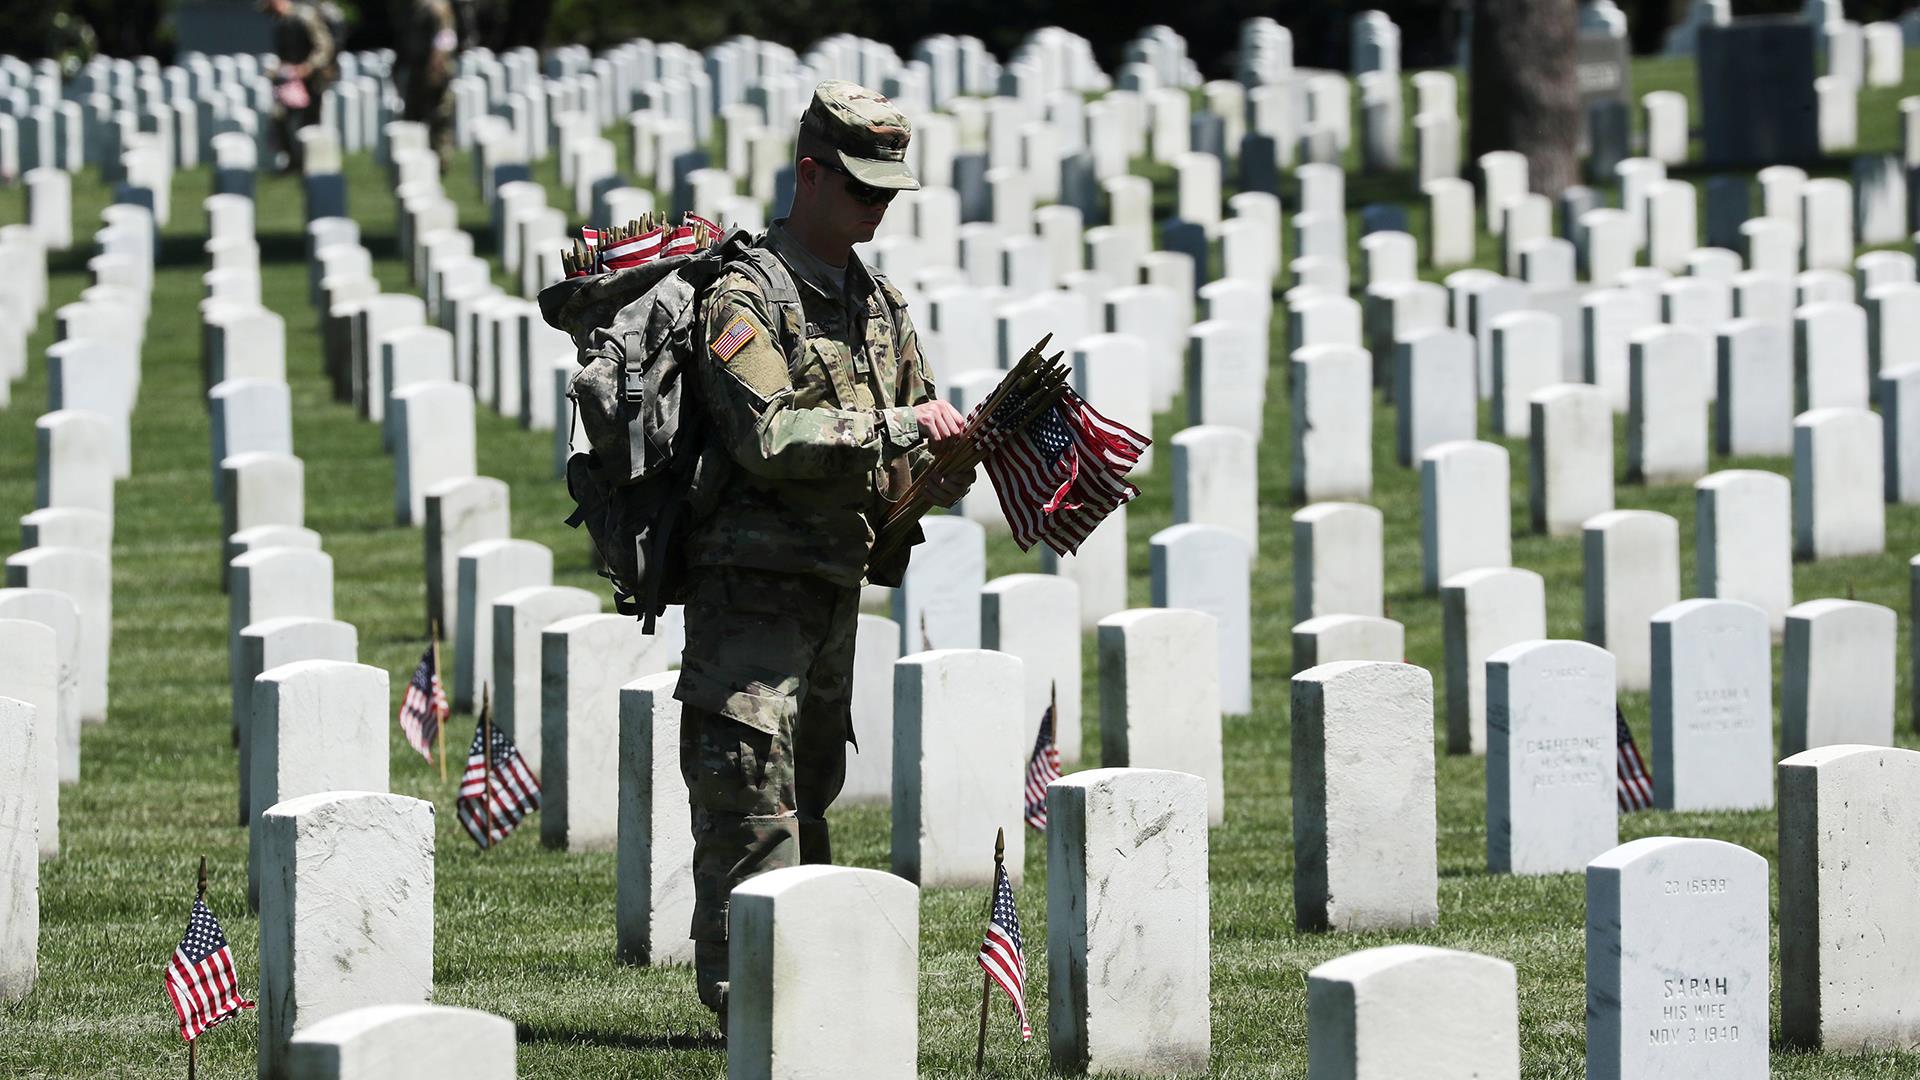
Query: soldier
point(305, 49)
point(827, 409)
point(429, 39)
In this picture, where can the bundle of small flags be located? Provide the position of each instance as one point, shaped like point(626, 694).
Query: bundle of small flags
point(200, 979)
point(498, 789)
point(619, 247)
point(423, 708)
point(1058, 465)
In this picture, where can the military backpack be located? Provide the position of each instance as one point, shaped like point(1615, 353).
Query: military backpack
point(651, 472)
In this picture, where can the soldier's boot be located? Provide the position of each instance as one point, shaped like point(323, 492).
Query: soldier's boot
point(816, 846)
point(710, 972)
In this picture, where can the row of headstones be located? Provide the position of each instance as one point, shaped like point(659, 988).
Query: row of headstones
point(56, 606)
point(1834, 857)
point(58, 602)
point(1839, 661)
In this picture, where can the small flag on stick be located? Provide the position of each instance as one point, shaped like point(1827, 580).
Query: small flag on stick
point(498, 789)
point(1043, 767)
point(424, 708)
point(200, 979)
point(1002, 956)
point(1636, 783)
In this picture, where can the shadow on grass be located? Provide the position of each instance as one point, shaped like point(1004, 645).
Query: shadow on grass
point(625, 1040)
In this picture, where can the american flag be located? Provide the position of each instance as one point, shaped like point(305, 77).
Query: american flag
point(1061, 474)
point(1636, 783)
point(200, 979)
point(633, 251)
point(1001, 953)
point(511, 791)
point(424, 706)
point(1043, 768)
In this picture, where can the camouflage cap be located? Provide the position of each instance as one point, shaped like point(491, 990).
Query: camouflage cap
point(865, 133)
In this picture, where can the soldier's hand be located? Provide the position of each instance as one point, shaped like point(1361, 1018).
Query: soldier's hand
point(939, 421)
point(945, 490)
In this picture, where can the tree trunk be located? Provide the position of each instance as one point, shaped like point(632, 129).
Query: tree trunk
point(1524, 95)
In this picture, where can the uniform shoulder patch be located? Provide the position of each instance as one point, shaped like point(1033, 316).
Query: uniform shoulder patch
point(733, 338)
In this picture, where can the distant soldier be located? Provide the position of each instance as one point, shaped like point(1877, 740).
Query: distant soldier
point(305, 49)
point(429, 38)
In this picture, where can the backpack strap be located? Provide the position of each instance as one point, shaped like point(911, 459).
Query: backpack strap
point(776, 284)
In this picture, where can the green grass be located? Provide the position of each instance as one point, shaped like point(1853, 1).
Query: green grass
point(528, 933)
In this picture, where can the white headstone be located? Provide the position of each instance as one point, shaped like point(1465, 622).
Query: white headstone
point(1849, 950)
point(1158, 708)
point(461, 511)
point(1215, 480)
point(1328, 638)
point(1838, 482)
point(1433, 392)
point(1667, 405)
point(1632, 560)
point(433, 442)
point(484, 571)
point(1830, 356)
point(1836, 675)
point(1332, 423)
point(1034, 617)
point(1128, 953)
point(1365, 826)
point(346, 911)
point(31, 678)
point(20, 754)
point(937, 604)
point(1099, 568)
point(1677, 965)
point(1464, 510)
point(87, 580)
point(1569, 458)
point(781, 973)
point(876, 646)
point(1550, 760)
point(1482, 612)
point(1207, 568)
point(1413, 1010)
point(584, 661)
point(1338, 560)
point(959, 751)
point(74, 461)
point(519, 617)
point(1753, 411)
point(653, 904)
point(317, 726)
point(1743, 540)
point(414, 1040)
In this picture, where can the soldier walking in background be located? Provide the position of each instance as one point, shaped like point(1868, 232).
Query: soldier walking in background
point(429, 39)
point(304, 47)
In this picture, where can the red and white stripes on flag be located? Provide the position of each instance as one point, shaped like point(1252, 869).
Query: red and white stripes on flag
point(1636, 783)
point(1062, 474)
point(1001, 953)
point(498, 789)
point(200, 980)
point(423, 708)
point(633, 251)
point(1043, 768)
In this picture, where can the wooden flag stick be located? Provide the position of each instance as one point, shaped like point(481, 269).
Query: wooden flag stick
point(486, 761)
point(440, 724)
point(986, 980)
point(193, 1045)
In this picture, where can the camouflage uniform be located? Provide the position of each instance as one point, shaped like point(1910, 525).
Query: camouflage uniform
point(429, 38)
point(301, 36)
point(821, 444)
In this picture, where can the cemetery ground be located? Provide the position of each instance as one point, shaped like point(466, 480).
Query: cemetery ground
point(527, 932)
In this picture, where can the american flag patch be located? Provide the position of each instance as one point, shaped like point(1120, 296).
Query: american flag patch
point(733, 338)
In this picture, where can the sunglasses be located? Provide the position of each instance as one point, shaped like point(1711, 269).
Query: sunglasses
point(863, 193)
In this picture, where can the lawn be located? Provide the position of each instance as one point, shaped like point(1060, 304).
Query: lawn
point(528, 933)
